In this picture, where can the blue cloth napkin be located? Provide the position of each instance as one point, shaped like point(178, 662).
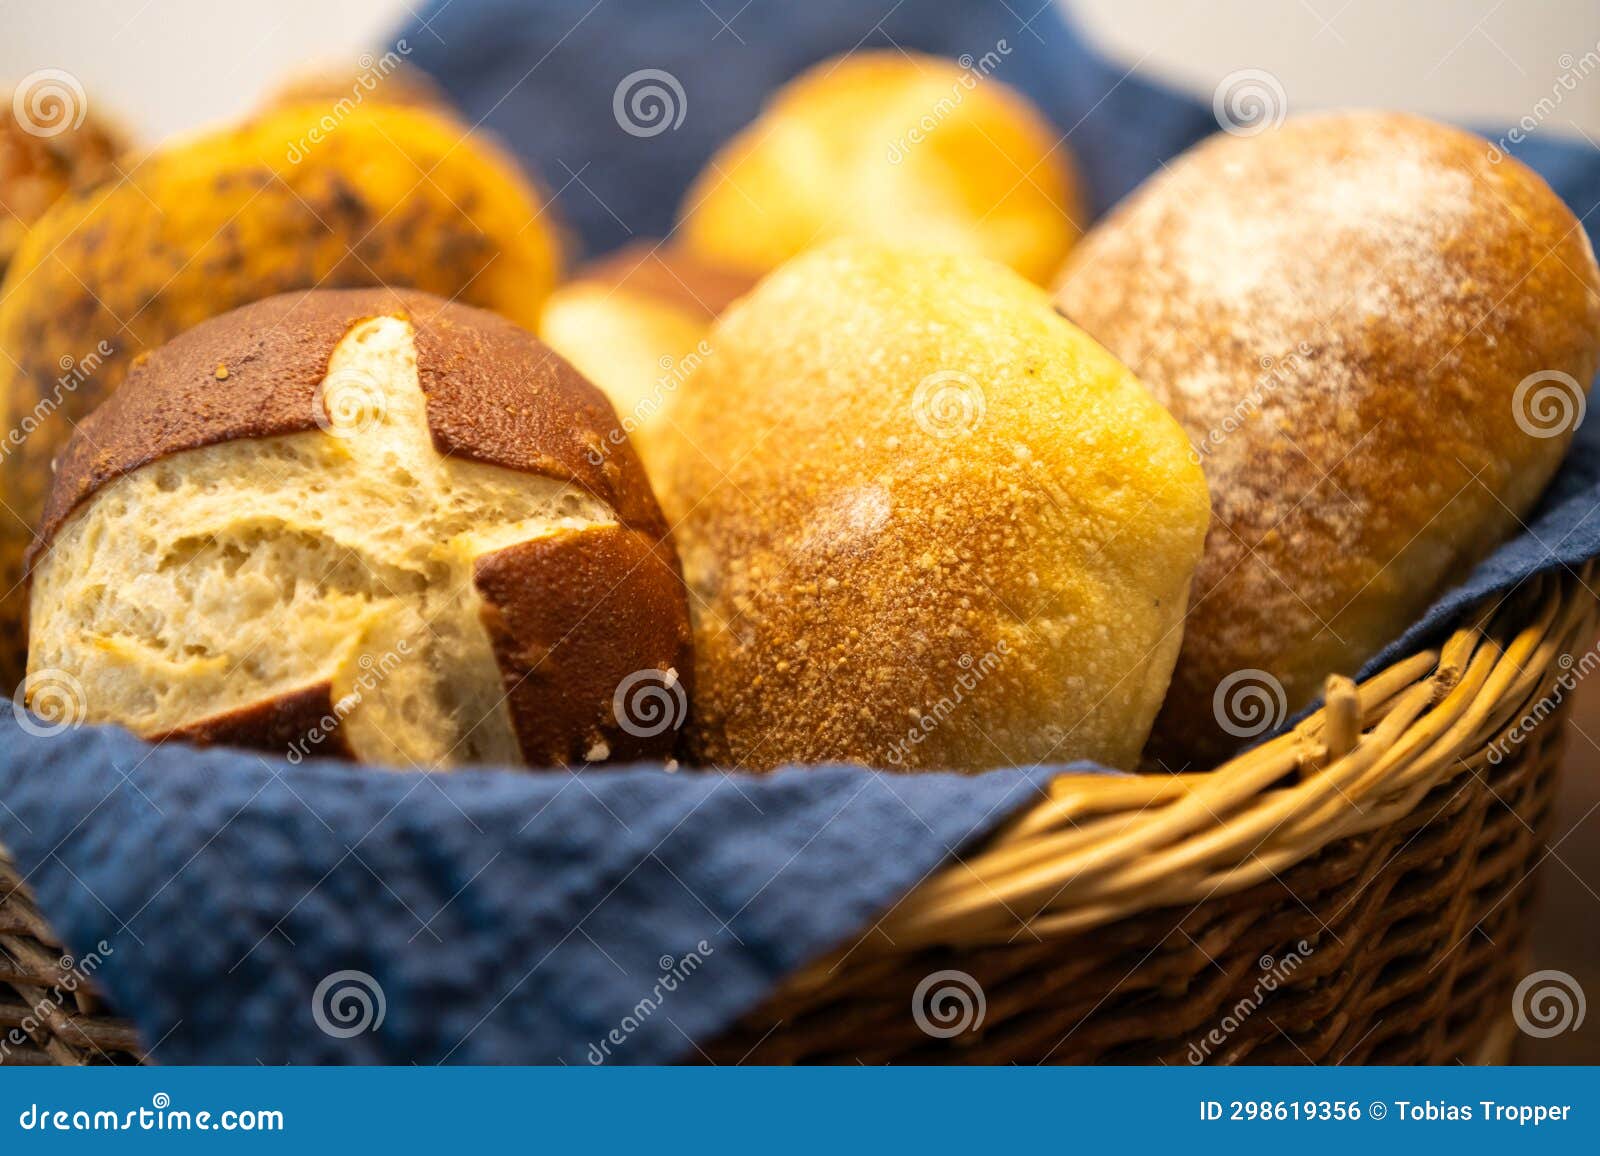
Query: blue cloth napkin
point(248, 907)
point(252, 910)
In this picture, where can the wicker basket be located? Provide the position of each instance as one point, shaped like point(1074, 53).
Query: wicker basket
point(1357, 890)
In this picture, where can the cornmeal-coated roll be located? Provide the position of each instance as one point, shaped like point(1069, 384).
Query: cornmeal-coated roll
point(1378, 334)
point(50, 142)
point(367, 524)
point(925, 522)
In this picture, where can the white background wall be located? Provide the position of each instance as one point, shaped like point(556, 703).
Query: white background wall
point(174, 64)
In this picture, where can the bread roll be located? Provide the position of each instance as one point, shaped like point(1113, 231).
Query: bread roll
point(925, 523)
point(294, 199)
point(364, 524)
point(54, 145)
point(635, 323)
point(890, 146)
point(1350, 317)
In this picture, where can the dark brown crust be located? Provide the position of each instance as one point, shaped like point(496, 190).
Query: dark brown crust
point(660, 270)
point(571, 616)
point(295, 723)
point(495, 393)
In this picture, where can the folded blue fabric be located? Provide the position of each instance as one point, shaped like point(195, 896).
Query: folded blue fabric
point(248, 907)
point(498, 916)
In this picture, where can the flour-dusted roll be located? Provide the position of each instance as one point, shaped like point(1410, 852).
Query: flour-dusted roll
point(925, 523)
point(302, 196)
point(361, 523)
point(897, 147)
point(1378, 334)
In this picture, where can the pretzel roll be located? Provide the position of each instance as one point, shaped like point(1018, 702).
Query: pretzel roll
point(926, 523)
point(366, 524)
point(1379, 334)
point(297, 198)
point(890, 146)
point(636, 324)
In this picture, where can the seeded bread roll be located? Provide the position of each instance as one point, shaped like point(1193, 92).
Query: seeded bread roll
point(54, 145)
point(636, 324)
point(294, 199)
point(1378, 334)
point(890, 146)
point(367, 524)
point(926, 523)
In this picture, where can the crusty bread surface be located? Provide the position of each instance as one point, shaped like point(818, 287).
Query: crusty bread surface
point(1378, 334)
point(890, 146)
point(925, 523)
point(56, 145)
point(328, 551)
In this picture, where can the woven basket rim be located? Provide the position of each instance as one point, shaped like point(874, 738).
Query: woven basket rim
point(1100, 848)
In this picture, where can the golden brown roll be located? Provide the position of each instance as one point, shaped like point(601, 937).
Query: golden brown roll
point(1378, 339)
point(925, 523)
point(366, 524)
point(283, 202)
point(636, 324)
point(890, 146)
point(49, 142)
